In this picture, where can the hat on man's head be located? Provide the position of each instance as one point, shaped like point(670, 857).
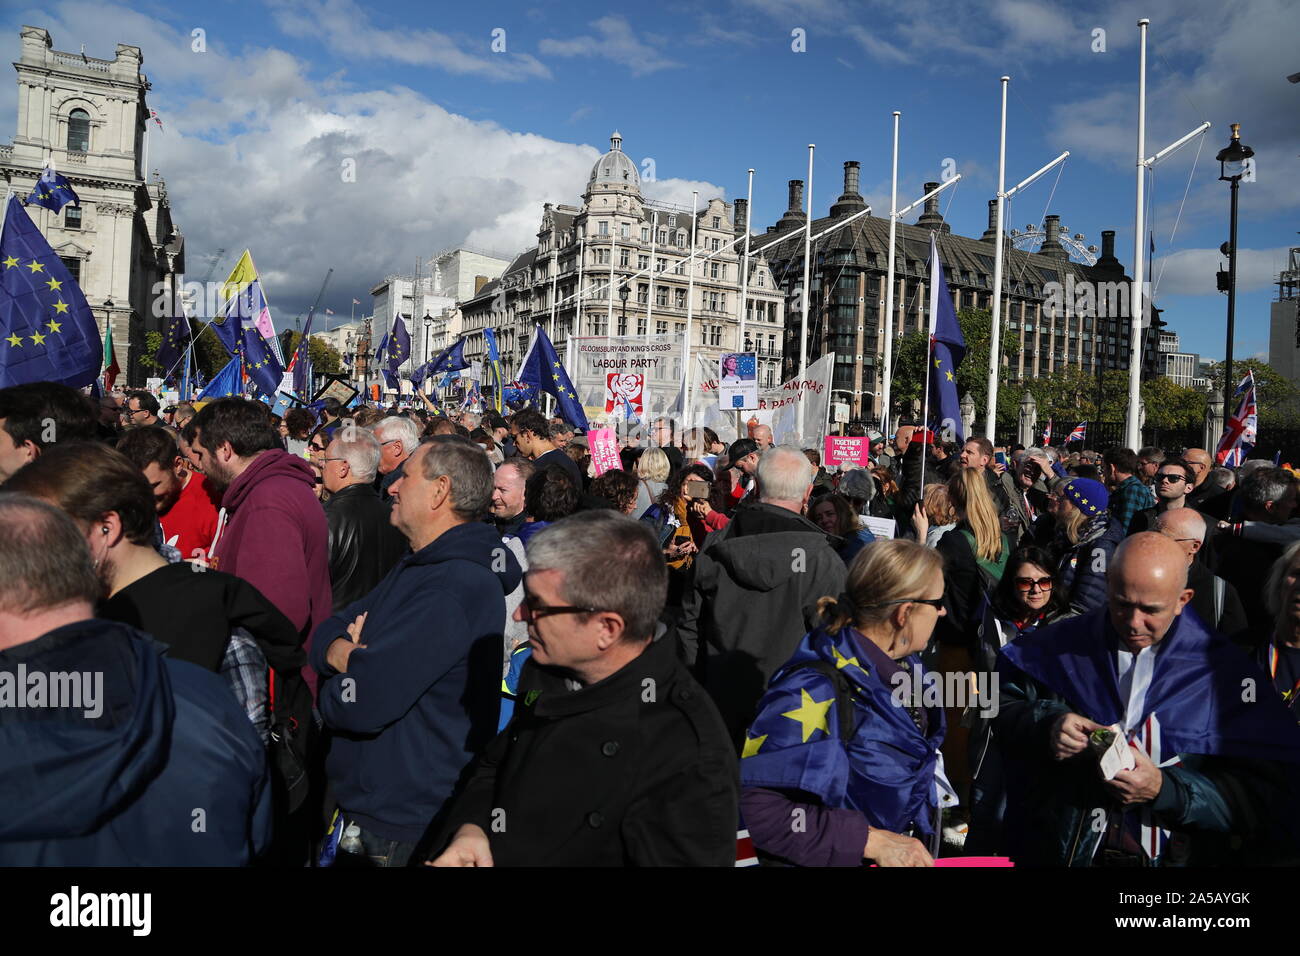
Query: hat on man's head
point(1088, 496)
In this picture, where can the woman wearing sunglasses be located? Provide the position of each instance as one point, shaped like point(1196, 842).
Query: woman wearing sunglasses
point(841, 745)
point(1025, 600)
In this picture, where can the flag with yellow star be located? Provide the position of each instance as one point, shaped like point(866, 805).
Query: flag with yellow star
point(260, 364)
point(47, 331)
point(831, 726)
point(542, 367)
point(947, 349)
point(53, 191)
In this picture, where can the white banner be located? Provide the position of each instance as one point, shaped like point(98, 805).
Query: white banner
point(656, 358)
point(778, 408)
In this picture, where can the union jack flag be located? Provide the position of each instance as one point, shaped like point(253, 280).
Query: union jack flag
point(1047, 434)
point(1239, 431)
point(1080, 433)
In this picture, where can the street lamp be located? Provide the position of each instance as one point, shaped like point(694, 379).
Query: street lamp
point(1232, 166)
point(623, 291)
point(428, 333)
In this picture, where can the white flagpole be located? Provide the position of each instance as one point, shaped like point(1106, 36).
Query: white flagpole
point(744, 287)
point(650, 300)
point(1133, 433)
point(995, 344)
point(690, 308)
point(807, 287)
point(886, 369)
point(936, 280)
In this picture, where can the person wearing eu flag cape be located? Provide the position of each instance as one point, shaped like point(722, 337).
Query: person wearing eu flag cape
point(1215, 756)
point(840, 745)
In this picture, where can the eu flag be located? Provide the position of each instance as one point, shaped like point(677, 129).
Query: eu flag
point(260, 363)
point(379, 349)
point(175, 339)
point(300, 364)
point(450, 359)
point(542, 367)
point(494, 360)
point(399, 344)
point(224, 384)
point(391, 380)
point(947, 349)
point(52, 191)
point(47, 331)
point(229, 329)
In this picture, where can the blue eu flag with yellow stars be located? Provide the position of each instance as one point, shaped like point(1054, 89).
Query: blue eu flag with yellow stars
point(224, 384)
point(947, 349)
point(542, 367)
point(53, 191)
point(175, 340)
point(399, 345)
point(260, 364)
point(47, 331)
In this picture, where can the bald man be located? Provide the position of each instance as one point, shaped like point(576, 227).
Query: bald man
point(763, 436)
point(1215, 600)
point(1216, 775)
point(1207, 497)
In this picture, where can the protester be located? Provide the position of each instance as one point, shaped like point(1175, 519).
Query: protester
point(831, 744)
point(35, 417)
point(755, 589)
point(663, 791)
point(834, 514)
point(975, 556)
point(1280, 656)
point(762, 436)
point(141, 410)
point(578, 450)
point(1207, 497)
point(935, 516)
point(549, 495)
point(696, 518)
point(186, 504)
point(113, 780)
point(859, 487)
point(298, 424)
point(617, 489)
point(1209, 785)
point(398, 438)
point(663, 436)
point(1245, 552)
point(742, 464)
point(652, 472)
point(274, 534)
point(978, 453)
point(1149, 462)
point(1026, 599)
point(1087, 538)
point(561, 434)
point(330, 416)
point(184, 415)
point(1128, 495)
point(214, 620)
point(109, 426)
point(363, 543)
point(1026, 493)
point(410, 673)
point(508, 482)
point(535, 443)
point(1174, 478)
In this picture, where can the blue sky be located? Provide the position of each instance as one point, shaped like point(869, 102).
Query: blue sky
point(454, 142)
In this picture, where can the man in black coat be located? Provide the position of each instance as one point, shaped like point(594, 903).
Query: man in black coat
point(615, 756)
point(1215, 600)
point(364, 545)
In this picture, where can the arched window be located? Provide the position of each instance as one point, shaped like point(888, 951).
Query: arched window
point(79, 131)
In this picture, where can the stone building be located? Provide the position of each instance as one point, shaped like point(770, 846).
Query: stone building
point(617, 241)
point(846, 312)
point(1284, 325)
point(89, 116)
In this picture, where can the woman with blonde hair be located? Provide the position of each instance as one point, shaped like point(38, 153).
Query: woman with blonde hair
point(975, 555)
point(934, 515)
point(841, 740)
point(652, 468)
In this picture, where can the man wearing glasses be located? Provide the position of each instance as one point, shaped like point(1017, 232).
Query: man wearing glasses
point(140, 410)
point(615, 756)
point(1174, 479)
point(410, 674)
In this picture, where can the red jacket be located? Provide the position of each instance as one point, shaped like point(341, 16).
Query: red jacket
point(276, 538)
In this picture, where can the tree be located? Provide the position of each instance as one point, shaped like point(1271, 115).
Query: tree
point(325, 359)
point(1170, 406)
point(972, 375)
point(149, 357)
point(1274, 393)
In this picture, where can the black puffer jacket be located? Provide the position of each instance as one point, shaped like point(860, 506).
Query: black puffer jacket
point(364, 545)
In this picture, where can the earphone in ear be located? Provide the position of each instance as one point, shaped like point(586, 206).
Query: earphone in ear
point(104, 529)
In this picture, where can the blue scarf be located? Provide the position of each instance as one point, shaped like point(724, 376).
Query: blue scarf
point(885, 771)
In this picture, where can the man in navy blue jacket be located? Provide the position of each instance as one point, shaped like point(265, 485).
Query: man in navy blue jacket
point(114, 755)
point(411, 673)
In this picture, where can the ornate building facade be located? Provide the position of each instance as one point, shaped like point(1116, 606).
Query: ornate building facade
point(89, 117)
point(617, 265)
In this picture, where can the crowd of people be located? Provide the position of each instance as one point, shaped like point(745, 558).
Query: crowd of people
point(392, 637)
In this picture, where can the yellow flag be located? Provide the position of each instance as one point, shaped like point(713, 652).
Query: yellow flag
point(243, 273)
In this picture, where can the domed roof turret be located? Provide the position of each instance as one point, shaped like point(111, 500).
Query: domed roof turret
point(615, 167)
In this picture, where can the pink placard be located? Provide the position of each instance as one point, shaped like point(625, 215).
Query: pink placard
point(603, 444)
point(846, 451)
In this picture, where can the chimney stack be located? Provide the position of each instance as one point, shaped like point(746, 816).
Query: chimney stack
point(991, 233)
point(1108, 244)
point(852, 200)
point(931, 218)
point(740, 216)
point(794, 214)
point(1052, 242)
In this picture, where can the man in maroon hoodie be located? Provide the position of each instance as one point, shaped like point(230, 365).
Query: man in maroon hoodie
point(272, 531)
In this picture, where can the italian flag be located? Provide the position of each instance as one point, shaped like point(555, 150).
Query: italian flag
point(111, 368)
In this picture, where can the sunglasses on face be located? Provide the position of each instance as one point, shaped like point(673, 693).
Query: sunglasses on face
point(1028, 584)
point(1168, 476)
point(935, 603)
point(535, 610)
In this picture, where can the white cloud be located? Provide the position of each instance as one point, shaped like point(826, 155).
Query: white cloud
point(345, 28)
point(614, 40)
point(1192, 271)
